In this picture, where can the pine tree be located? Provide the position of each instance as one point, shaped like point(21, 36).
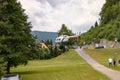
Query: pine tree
point(96, 24)
point(15, 38)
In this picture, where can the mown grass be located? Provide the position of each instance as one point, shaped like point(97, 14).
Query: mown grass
point(102, 56)
point(68, 66)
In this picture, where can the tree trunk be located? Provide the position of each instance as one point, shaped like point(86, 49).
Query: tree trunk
point(8, 68)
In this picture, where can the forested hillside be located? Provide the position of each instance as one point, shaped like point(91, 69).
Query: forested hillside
point(109, 26)
point(41, 35)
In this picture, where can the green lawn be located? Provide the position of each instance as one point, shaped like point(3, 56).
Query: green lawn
point(102, 56)
point(68, 66)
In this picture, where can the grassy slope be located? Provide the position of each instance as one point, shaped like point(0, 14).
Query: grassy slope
point(102, 56)
point(68, 66)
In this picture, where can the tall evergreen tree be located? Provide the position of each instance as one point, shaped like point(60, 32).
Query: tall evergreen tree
point(96, 24)
point(15, 38)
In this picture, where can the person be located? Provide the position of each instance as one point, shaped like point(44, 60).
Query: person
point(119, 61)
point(110, 62)
point(114, 62)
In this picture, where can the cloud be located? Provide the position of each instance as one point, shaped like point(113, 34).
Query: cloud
point(53, 3)
point(49, 15)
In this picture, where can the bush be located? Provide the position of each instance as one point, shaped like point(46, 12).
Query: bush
point(2, 65)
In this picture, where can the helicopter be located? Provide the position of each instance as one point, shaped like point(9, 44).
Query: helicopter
point(65, 38)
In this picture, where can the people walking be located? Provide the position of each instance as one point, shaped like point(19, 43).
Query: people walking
point(110, 62)
point(114, 62)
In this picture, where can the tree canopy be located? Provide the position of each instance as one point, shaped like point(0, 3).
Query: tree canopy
point(64, 31)
point(15, 38)
point(109, 27)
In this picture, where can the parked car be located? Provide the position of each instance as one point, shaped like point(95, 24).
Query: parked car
point(11, 77)
point(99, 47)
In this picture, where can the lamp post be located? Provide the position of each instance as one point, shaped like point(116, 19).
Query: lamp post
point(116, 41)
point(94, 42)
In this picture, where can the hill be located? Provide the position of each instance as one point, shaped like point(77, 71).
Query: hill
point(109, 26)
point(41, 35)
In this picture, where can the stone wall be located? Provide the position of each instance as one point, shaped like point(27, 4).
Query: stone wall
point(106, 43)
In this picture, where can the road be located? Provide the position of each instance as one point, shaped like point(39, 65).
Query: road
point(112, 74)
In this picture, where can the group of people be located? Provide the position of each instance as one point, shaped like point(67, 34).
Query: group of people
point(113, 62)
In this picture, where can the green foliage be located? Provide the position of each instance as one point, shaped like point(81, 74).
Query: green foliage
point(109, 27)
point(44, 53)
point(15, 38)
point(64, 31)
point(96, 24)
point(2, 65)
point(110, 11)
point(48, 42)
point(54, 51)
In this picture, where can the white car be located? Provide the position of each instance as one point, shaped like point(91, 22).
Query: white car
point(11, 77)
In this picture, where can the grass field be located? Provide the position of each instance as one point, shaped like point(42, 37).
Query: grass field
point(68, 66)
point(102, 56)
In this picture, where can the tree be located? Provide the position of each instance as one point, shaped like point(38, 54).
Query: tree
point(56, 52)
point(51, 48)
point(15, 38)
point(47, 42)
point(64, 31)
point(96, 24)
point(2, 65)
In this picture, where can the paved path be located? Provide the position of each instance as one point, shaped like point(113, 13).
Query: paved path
point(114, 75)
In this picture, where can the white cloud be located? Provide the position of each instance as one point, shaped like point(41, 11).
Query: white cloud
point(49, 15)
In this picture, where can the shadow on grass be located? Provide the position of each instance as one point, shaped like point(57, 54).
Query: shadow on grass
point(56, 70)
point(29, 72)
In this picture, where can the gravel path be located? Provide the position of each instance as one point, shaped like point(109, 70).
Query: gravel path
point(114, 75)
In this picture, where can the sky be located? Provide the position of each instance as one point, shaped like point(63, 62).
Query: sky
point(49, 15)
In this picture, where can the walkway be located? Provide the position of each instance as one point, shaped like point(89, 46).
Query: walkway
point(114, 75)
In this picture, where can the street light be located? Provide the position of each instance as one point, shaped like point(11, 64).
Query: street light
point(116, 41)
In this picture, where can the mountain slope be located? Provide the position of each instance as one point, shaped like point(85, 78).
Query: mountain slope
point(41, 35)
